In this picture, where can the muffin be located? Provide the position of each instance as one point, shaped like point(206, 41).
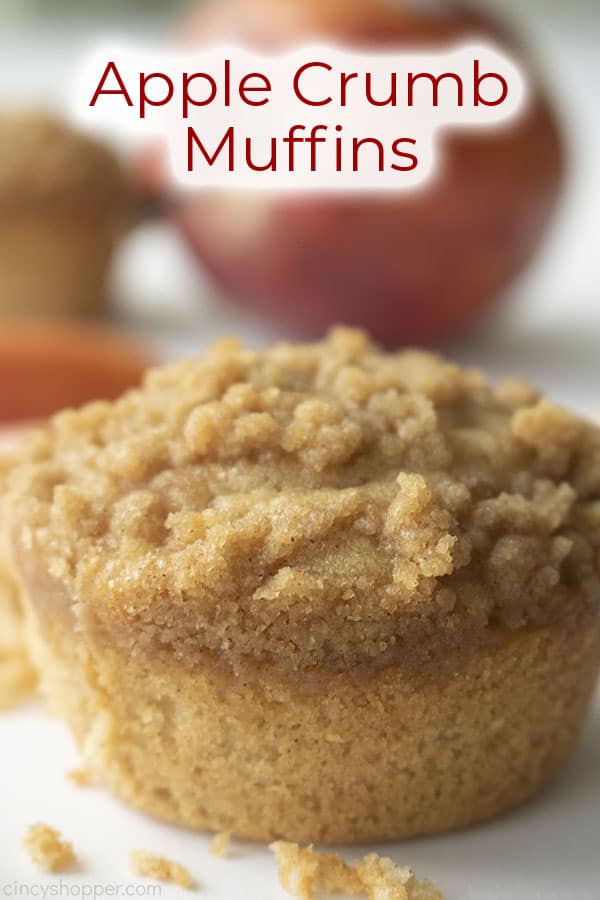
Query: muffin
point(317, 592)
point(64, 204)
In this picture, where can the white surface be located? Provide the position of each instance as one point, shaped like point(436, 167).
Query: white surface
point(549, 330)
point(547, 850)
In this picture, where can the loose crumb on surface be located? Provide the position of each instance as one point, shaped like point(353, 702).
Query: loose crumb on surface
point(79, 777)
point(47, 848)
point(149, 865)
point(304, 871)
point(220, 843)
point(384, 880)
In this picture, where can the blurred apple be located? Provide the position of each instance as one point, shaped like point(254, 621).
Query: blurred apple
point(414, 268)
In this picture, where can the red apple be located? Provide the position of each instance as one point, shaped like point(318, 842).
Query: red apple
point(418, 267)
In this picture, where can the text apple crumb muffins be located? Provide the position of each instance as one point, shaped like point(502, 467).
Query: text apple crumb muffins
point(316, 592)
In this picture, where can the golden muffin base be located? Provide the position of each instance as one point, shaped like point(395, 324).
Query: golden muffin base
point(339, 758)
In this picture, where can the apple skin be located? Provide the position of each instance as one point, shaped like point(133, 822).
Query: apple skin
point(414, 268)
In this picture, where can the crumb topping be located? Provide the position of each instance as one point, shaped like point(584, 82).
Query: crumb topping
point(314, 505)
point(304, 872)
point(220, 843)
point(149, 865)
point(47, 849)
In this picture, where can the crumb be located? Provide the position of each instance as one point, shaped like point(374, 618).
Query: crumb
point(220, 843)
point(79, 777)
point(384, 880)
point(47, 849)
point(150, 865)
point(302, 871)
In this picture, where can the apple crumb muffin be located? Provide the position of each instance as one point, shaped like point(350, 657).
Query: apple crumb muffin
point(317, 592)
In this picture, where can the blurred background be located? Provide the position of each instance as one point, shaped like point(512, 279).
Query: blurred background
point(497, 264)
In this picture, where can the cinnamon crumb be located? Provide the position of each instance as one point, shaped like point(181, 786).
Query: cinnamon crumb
point(220, 843)
point(149, 865)
point(302, 871)
point(79, 777)
point(384, 880)
point(47, 849)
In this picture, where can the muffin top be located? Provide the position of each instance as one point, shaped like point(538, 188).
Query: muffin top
point(317, 506)
point(42, 158)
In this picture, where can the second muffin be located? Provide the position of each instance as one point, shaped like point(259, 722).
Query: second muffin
point(64, 204)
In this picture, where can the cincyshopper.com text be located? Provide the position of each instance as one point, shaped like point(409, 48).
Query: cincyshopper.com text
point(82, 891)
